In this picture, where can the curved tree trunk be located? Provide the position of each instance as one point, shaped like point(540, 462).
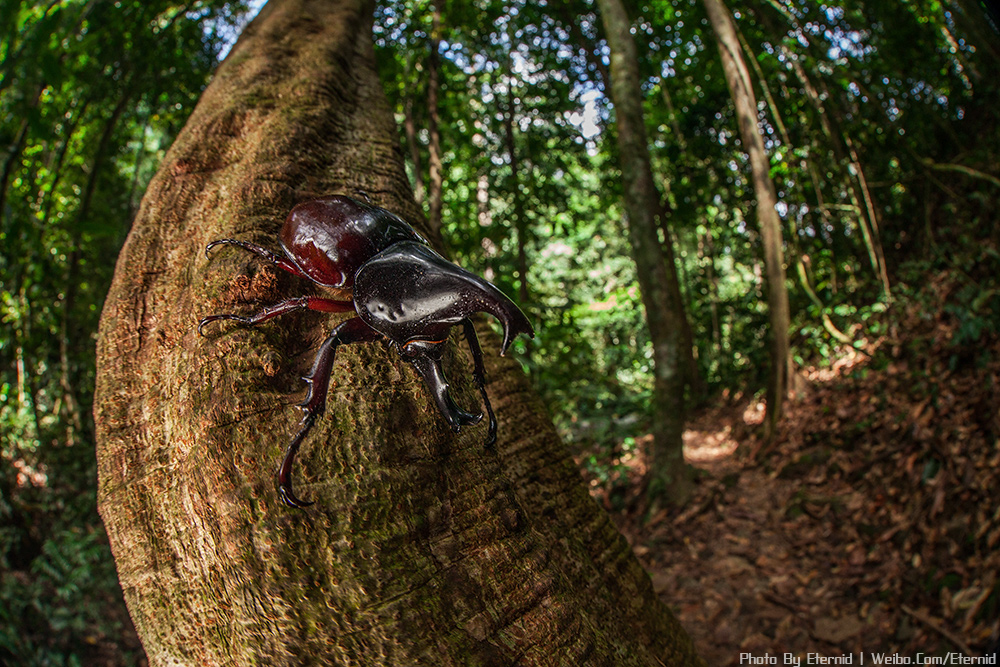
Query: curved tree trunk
point(423, 548)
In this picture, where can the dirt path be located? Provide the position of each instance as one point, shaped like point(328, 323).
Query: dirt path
point(776, 561)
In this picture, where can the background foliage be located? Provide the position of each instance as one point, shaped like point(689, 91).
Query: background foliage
point(880, 120)
point(91, 94)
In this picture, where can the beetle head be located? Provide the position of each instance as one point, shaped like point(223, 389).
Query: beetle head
point(409, 292)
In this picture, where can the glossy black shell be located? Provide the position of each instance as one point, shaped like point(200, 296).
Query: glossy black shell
point(408, 292)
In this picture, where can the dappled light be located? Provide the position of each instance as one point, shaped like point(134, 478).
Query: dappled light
point(758, 242)
point(853, 526)
point(710, 446)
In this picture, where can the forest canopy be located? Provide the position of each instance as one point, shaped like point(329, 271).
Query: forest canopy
point(878, 121)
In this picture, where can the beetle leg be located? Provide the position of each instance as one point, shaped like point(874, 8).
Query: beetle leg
point(284, 474)
point(427, 361)
point(479, 373)
point(352, 331)
point(275, 259)
point(299, 303)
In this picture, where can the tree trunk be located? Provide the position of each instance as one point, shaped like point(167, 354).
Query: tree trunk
point(706, 255)
point(568, 11)
point(410, 127)
point(672, 115)
point(692, 375)
point(806, 165)
point(423, 547)
point(669, 474)
point(435, 185)
point(738, 80)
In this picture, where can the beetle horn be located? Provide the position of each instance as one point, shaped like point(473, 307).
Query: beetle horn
point(488, 298)
point(409, 292)
point(513, 320)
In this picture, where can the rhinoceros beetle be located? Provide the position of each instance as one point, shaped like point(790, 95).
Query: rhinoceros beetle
point(402, 292)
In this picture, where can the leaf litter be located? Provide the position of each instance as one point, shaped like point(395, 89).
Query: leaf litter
point(870, 523)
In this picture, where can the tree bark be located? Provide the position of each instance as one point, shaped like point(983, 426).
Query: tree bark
point(669, 474)
point(423, 547)
point(745, 102)
point(435, 178)
point(410, 127)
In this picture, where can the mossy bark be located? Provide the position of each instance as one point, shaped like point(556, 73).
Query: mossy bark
point(423, 547)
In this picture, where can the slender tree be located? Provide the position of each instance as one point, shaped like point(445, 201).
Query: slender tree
point(423, 547)
point(410, 127)
point(435, 184)
point(657, 277)
point(745, 102)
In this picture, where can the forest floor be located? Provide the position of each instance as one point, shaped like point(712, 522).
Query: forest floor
point(869, 524)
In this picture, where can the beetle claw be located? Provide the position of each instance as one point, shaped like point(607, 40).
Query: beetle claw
point(351, 331)
point(479, 373)
point(491, 436)
point(215, 318)
point(287, 497)
point(468, 418)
